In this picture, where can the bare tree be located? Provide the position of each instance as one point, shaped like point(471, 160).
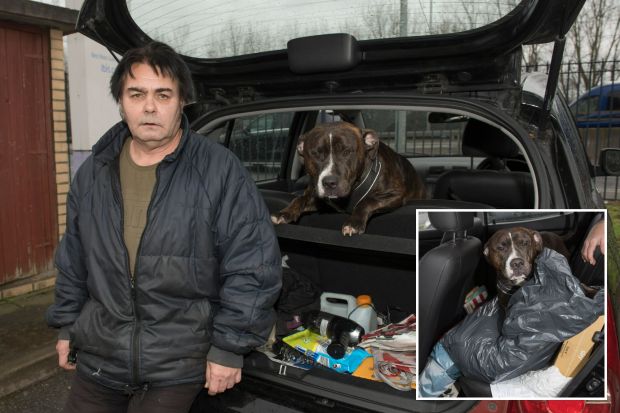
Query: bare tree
point(536, 55)
point(382, 21)
point(594, 43)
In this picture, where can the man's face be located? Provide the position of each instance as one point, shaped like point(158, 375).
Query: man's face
point(151, 105)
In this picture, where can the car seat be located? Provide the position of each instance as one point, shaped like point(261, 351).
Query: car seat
point(492, 183)
point(446, 274)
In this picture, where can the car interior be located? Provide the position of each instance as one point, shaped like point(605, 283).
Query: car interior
point(466, 164)
point(459, 157)
point(461, 236)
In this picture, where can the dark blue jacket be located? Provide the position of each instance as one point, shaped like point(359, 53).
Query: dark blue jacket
point(207, 270)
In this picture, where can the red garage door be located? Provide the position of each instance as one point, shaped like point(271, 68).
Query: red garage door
point(28, 227)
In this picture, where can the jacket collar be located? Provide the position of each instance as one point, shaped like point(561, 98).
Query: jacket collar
point(109, 146)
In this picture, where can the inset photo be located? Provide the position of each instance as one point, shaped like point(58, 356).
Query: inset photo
point(511, 304)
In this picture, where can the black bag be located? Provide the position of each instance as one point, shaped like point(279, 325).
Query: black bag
point(547, 310)
point(298, 296)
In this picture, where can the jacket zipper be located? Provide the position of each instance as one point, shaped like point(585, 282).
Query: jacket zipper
point(136, 332)
point(135, 339)
point(118, 196)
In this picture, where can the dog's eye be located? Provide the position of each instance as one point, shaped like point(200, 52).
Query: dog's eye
point(346, 152)
point(499, 247)
point(317, 154)
point(525, 243)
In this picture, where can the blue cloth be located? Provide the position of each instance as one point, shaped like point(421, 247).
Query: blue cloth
point(440, 372)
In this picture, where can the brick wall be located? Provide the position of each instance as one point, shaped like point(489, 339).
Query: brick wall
point(59, 116)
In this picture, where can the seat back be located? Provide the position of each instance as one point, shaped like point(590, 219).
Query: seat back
point(497, 189)
point(494, 185)
point(446, 274)
point(482, 139)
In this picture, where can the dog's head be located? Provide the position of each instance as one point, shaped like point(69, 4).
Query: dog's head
point(512, 253)
point(335, 155)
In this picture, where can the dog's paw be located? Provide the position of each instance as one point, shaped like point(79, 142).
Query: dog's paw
point(283, 218)
point(278, 219)
point(350, 230)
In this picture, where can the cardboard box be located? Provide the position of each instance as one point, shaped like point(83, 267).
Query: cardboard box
point(575, 351)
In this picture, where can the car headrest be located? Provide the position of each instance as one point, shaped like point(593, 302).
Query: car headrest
point(452, 221)
point(482, 139)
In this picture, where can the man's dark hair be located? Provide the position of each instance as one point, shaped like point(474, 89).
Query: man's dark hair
point(163, 60)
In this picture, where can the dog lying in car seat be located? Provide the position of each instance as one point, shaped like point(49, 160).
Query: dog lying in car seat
point(351, 171)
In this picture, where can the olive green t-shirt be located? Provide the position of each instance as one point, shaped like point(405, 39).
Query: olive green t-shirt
point(137, 184)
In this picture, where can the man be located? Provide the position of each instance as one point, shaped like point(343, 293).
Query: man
point(169, 267)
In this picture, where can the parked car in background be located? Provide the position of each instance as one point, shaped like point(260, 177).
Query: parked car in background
point(507, 141)
point(261, 142)
point(597, 114)
point(599, 107)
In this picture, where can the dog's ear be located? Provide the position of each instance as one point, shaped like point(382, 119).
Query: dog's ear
point(371, 142)
point(300, 145)
point(538, 241)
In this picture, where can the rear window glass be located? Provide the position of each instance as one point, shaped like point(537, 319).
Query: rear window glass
point(585, 106)
point(263, 141)
point(259, 141)
point(613, 103)
point(214, 29)
point(411, 132)
point(517, 217)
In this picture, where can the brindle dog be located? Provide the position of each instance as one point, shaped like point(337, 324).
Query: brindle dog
point(352, 171)
point(512, 252)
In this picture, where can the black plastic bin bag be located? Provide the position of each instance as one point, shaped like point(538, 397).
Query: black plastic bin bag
point(548, 309)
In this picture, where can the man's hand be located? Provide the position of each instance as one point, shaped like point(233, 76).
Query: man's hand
point(63, 349)
point(596, 238)
point(221, 378)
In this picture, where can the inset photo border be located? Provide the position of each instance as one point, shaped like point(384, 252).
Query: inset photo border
point(511, 304)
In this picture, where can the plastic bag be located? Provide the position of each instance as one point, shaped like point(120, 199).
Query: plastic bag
point(545, 383)
point(548, 309)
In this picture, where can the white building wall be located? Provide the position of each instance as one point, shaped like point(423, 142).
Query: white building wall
point(92, 109)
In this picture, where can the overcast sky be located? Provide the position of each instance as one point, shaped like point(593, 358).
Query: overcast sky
point(216, 29)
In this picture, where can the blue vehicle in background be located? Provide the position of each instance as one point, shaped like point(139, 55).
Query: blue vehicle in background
point(599, 107)
point(597, 115)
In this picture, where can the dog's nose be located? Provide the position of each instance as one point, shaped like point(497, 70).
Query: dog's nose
point(516, 263)
point(330, 182)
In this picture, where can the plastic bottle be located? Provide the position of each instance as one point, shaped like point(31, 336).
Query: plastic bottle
point(341, 331)
point(339, 304)
point(364, 313)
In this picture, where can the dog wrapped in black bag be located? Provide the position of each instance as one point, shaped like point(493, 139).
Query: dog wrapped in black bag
point(548, 309)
